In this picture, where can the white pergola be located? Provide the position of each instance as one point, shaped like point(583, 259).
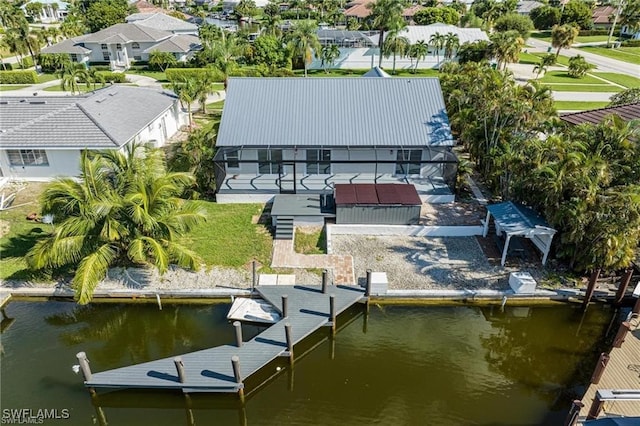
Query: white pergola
point(518, 220)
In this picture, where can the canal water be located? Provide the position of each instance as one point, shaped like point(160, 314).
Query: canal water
point(398, 365)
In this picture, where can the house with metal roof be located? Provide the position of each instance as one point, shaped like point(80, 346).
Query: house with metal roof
point(122, 44)
point(42, 137)
point(305, 135)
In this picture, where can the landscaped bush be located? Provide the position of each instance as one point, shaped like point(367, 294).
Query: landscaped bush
point(281, 72)
point(112, 77)
point(6, 66)
point(18, 77)
point(27, 62)
point(176, 74)
point(99, 64)
point(631, 43)
point(100, 67)
point(593, 32)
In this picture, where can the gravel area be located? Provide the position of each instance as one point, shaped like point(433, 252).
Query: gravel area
point(427, 263)
point(452, 214)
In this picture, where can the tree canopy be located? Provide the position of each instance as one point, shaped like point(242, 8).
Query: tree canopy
point(125, 209)
point(431, 15)
point(101, 14)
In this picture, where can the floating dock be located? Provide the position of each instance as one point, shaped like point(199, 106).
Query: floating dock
point(304, 309)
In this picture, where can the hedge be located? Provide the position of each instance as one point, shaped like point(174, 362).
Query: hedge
point(6, 66)
point(27, 62)
point(18, 77)
point(631, 43)
point(593, 32)
point(112, 77)
point(176, 74)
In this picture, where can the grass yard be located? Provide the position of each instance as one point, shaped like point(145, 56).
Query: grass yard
point(561, 60)
point(310, 241)
point(43, 78)
point(5, 88)
point(18, 235)
point(546, 36)
point(622, 79)
point(359, 72)
point(529, 58)
point(602, 88)
point(578, 106)
point(626, 54)
point(231, 236)
point(563, 77)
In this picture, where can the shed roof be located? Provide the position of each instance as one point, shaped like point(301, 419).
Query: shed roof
point(365, 112)
point(626, 112)
point(517, 219)
point(107, 118)
point(377, 194)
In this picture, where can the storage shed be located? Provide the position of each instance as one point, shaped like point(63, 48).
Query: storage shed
point(383, 204)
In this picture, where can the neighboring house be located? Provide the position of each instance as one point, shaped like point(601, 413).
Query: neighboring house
point(163, 22)
point(52, 11)
point(304, 135)
point(359, 49)
point(525, 7)
point(359, 10)
point(625, 112)
point(122, 44)
point(603, 16)
point(42, 137)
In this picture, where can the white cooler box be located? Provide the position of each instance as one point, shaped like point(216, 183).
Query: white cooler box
point(522, 283)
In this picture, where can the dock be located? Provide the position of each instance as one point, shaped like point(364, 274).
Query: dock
point(616, 393)
point(223, 369)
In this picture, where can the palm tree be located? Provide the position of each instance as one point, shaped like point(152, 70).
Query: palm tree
point(187, 90)
point(303, 40)
point(419, 51)
point(14, 44)
point(329, 54)
point(545, 62)
point(563, 36)
point(395, 44)
point(385, 14)
point(271, 25)
point(437, 40)
point(124, 209)
point(71, 75)
point(451, 43)
point(204, 87)
point(506, 47)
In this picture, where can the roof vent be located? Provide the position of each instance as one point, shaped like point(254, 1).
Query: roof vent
point(101, 100)
point(113, 94)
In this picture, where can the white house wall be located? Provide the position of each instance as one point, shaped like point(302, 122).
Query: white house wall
point(96, 51)
point(64, 162)
point(365, 58)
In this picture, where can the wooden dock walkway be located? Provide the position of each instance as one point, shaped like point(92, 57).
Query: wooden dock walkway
point(621, 373)
point(210, 370)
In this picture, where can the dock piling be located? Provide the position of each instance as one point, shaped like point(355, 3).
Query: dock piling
point(86, 370)
point(599, 370)
point(624, 284)
point(572, 416)
point(622, 333)
point(180, 368)
point(235, 363)
point(289, 337)
point(591, 287)
point(332, 312)
point(596, 407)
point(367, 291)
point(238, 327)
point(285, 306)
point(325, 279)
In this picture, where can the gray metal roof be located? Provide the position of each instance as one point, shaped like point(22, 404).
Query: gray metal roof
point(126, 33)
point(517, 219)
point(376, 72)
point(71, 45)
point(366, 112)
point(178, 43)
point(107, 118)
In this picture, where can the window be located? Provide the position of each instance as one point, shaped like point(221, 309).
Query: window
point(118, 46)
point(74, 57)
point(135, 45)
point(27, 157)
point(137, 58)
point(103, 47)
point(318, 161)
point(269, 161)
point(232, 159)
point(408, 161)
point(106, 56)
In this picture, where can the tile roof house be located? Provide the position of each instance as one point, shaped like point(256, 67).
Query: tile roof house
point(122, 44)
point(303, 136)
point(626, 112)
point(603, 16)
point(42, 137)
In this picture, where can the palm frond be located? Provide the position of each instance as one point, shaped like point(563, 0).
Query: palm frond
point(91, 270)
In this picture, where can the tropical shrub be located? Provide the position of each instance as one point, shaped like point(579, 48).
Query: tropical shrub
point(18, 77)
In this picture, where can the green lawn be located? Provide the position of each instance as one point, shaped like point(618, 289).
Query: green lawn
point(563, 77)
point(313, 242)
point(18, 235)
point(230, 238)
point(5, 88)
point(622, 79)
point(359, 72)
point(578, 106)
point(561, 60)
point(529, 58)
point(43, 78)
point(546, 36)
point(626, 54)
point(584, 88)
point(215, 106)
